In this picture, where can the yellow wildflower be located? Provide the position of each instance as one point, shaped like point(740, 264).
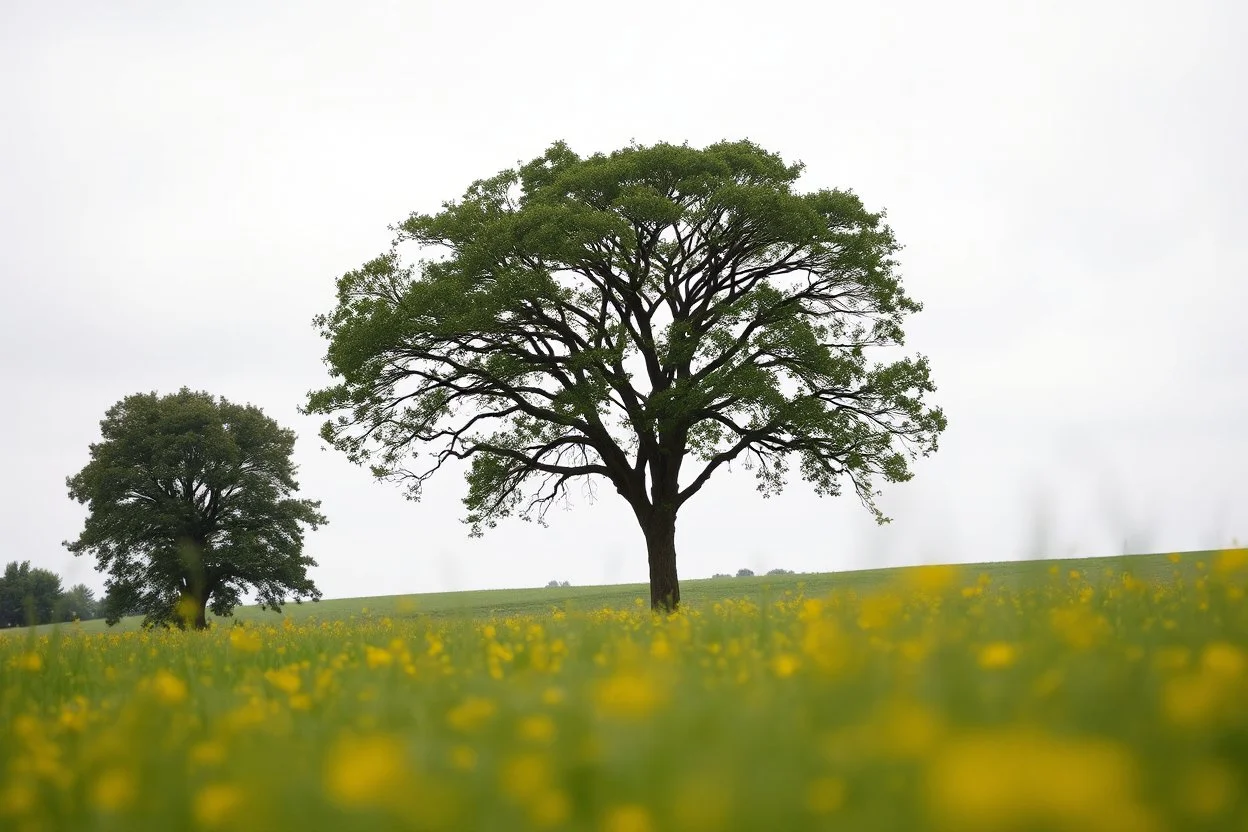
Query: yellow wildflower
point(217, 804)
point(1223, 660)
point(245, 640)
point(1023, 779)
point(524, 776)
point(377, 657)
point(471, 714)
point(538, 728)
point(168, 688)
point(785, 665)
point(287, 680)
point(630, 818)
point(629, 695)
point(366, 771)
point(114, 790)
point(1230, 561)
point(997, 655)
point(31, 662)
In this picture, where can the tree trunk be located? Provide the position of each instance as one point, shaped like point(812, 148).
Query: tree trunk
point(660, 531)
point(192, 610)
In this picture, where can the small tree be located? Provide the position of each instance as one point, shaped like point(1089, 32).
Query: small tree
point(190, 505)
point(28, 596)
point(77, 602)
point(645, 318)
point(745, 573)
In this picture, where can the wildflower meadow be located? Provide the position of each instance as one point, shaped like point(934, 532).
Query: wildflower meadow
point(940, 699)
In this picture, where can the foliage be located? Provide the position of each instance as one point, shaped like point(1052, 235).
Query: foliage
point(27, 596)
point(779, 572)
point(745, 573)
point(190, 505)
point(78, 602)
point(646, 318)
point(942, 700)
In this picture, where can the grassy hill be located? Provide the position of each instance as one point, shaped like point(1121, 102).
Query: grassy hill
point(698, 592)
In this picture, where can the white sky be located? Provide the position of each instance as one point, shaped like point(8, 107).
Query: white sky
point(181, 183)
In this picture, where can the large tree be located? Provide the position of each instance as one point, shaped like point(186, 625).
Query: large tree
point(190, 505)
point(623, 316)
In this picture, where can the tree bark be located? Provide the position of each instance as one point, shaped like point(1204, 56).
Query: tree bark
point(660, 531)
point(192, 610)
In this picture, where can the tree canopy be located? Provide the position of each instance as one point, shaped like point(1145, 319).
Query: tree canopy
point(190, 506)
point(28, 595)
point(644, 317)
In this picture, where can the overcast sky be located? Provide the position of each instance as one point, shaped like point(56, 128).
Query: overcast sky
point(181, 184)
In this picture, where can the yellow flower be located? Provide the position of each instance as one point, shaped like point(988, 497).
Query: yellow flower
point(366, 771)
point(168, 688)
point(932, 579)
point(287, 680)
point(471, 714)
point(878, 611)
point(207, 753)
point(538, 728)
point(523, 776)
point(630, 818)
point(629, 695)
point(377, 657)
point(1024, 779)
point(31, 662)
point(1223, 660)
point(245, 640)
point(217, 804)
point(1230, 561)
point(114, 790)
point(997, 655)
point(785, 665)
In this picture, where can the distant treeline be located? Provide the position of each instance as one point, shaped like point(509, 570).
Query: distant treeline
point(35, 596)
point(749, 573)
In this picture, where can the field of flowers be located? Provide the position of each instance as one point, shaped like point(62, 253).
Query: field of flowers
point(943, 701)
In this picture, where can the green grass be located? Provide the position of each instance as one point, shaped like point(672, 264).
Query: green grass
point(696, 592)
point(1051, 696)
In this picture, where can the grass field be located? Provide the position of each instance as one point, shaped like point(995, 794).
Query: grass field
point(1098, 694)
point(696, 593)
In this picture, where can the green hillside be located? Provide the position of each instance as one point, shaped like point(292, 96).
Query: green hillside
point(507, 602)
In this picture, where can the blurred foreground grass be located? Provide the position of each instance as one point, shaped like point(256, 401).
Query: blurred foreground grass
point(1087, 696)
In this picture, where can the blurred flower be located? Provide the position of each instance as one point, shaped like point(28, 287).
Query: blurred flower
point(366, 771)
point(217, 804)
point(630, 818)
